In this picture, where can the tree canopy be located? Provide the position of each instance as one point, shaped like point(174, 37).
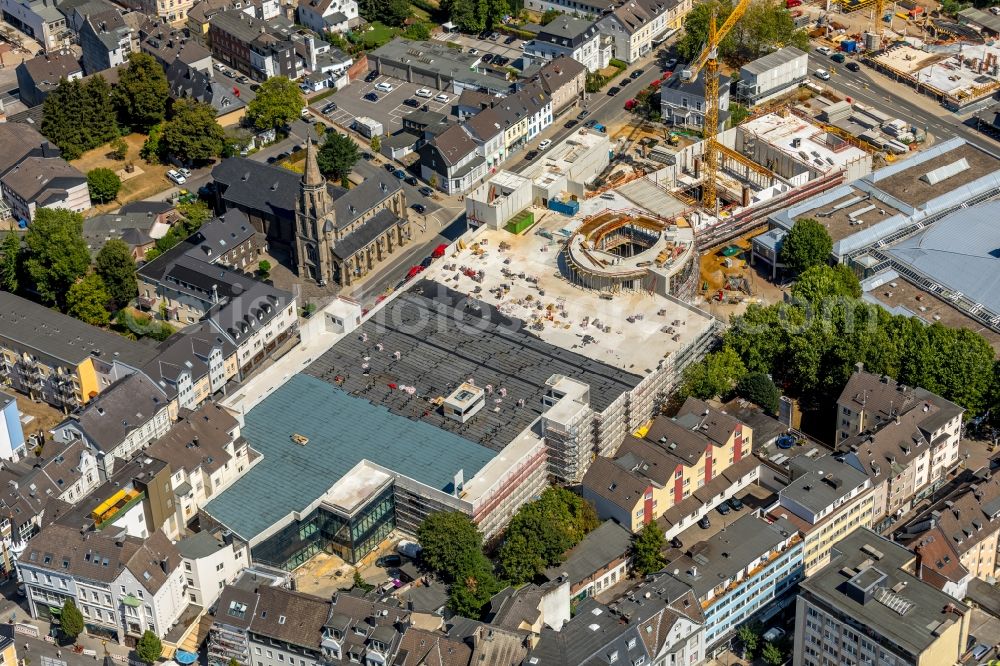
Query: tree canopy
point(449, 540)
point(193, 135)
point(807, 244)
point(337, 156)
point(103, 184)
point(78, 116)
point(758, 388)
point(57, 254)
point(149, 648)
point(767, 24)
point(390, 12)
point(142, 93)
point(647, 549)
point(88, 299)
point(715, 375)
point(71, 619)
point(10, 262)
point(822, 281)
point(278, 102)
point(475, 15)
point(541, 532)
point(115, 265)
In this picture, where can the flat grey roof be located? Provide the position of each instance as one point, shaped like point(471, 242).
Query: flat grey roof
point(914, 629)
point(821, 481)
point(342, 431)
point(772, 60)
point(444, 339)
point(960, 252)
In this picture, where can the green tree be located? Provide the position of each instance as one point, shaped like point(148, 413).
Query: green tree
point(376, 143)
point(821, 282)
point(758, 388)
point(472, 590)
point(71, 620)
point(10, 262)
point(142, 93)
point(549, 16)
point(264, 269)
point(450, 543)
point(714, 376)
point(116, 266)
point(737, 113)
point(152, 147)
point(337, 156)
point(119, 149)
point(57, 254)
point(193, 135)
point(417, 31)
point(518, 560)
point(103, 184)
point(807, 244)
point(748, 638)
point(278, 102)
point(467, 15)
point(771, 655)
point(647, 549)
point(196, 213)
point(78, 116)
point(88, 299)
point(149, 648)
point(361, 583)
point(765, 24)
point(233, 662)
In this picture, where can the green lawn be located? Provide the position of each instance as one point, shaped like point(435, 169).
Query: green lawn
point(378, 35)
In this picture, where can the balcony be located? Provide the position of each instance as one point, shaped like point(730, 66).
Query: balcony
point(119, 503)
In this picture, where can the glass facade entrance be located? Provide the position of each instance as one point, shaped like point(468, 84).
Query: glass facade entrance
point(326, 531)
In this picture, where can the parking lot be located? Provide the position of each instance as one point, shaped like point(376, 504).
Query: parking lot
point(388, 110)
point(510, 51)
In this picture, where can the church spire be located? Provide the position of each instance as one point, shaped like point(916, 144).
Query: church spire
point(311, 177)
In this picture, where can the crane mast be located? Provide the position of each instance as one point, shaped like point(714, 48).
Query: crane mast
point(708, 60)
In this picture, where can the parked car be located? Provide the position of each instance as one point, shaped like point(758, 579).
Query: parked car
point(243, 79)
point(399, 173)
point(218, 66)
point(330, 108)
point(424, 92)
point(474, 51)
point(838, 57)
point(613, 90)
point(184, 171)
point(583, 114)
point(255, 87)
point(670, 64)
point(590, 123)
point(822, 74)
point(442, 98)
point(308, 117)
point(272, 159)
point(736, 503)
point(704, 523)
point(494, 36)
point(411, 102)
point(530, 155)
point(500, 61)
point(385, 87)
point(571, 123)
point(283, 156)
point(636, 74)
point(176, 177)
point(411, 180)
point(371, 97)
point(367, 157)
point(510, 40)
point(488, 57)
point(388, 561)
point(624, 82)
point(723, 508)
point(853, 66)
point(676, 543)
point(980, 651)
point(420, 208)
point(230, 73)
point(824, 50)
point(544, 144)
point(773, 634)
point(371, 77)
point(390, 167)
point(426, 191)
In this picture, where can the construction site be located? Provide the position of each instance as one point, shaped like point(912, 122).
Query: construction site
point(958, 76)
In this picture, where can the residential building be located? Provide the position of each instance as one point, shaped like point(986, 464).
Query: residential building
point(957, 537)
point(660, 624)
point(905, 438)
point(162, 10)
point(33, 489)
point(341, 240)
point(257, 48)
point(44, 182)
point(531, 607)
point(167, 43)
point(8, 645)
point(601, 560)
point(123, 586)
point(323, 16)
point(60, 360)
point(682, 103)
point(575, 38)
point(673, 460)
point(741, 574)
point(486, 131)
point(565, 80)
point(209, 87)
point(139, 230)
point(826, 499)
point(436, 66)
point(106, 40)
point(12, 446)
point(206, 454)
point(637, 26)
point(210, 561)
point(121, 421)
point(451, 161)
point(40, 75)
point(195, 365)
point(272, 626)
point(39, 19)
point(772, 75)
point(867, 607)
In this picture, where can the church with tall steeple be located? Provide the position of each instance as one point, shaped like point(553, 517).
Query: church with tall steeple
point(342, 236)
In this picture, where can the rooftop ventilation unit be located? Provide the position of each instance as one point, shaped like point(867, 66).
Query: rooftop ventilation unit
point(940, 174)
point(464, 402)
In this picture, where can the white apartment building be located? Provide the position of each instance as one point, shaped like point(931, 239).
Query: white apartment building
point(122, 585)
point(210, 562)
point(328, 15)
point(579, 39)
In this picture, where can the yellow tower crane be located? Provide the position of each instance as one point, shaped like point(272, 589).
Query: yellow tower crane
point(709, 60)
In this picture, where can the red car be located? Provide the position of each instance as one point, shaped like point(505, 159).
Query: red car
point(439, 251)
point(414, 270)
